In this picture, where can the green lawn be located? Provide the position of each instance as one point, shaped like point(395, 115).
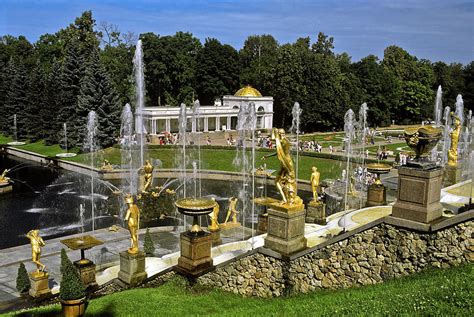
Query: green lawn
point(391, 147)
point(435, 292)
point(5, 139)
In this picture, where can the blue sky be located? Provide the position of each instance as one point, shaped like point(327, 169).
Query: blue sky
point(437, 30)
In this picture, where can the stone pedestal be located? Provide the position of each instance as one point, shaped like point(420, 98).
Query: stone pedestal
point(419, 193)
point(216, 237)
point(262, 224)
point(286, 229)
point(132, 268)
point(316, 212)
point(229, 225)
point(376, 195)
point(452, 175)
point(195, 253)
point(86, 270)
point(39, 284)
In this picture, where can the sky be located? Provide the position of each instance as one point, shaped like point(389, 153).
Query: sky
point(438, 30)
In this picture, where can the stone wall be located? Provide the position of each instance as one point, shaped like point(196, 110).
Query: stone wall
point(369, 257)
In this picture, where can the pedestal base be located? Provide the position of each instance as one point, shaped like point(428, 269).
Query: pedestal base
point(39, 284)
point(452, 175)
point(229, 225)
point(376, 195)
point(286, 229)
point(5, 188)
point(419, 193)
point(262, 225)
point(216, 237)
point(132, 268)
point(195, 253)
point(86, 270)
point(316, 212)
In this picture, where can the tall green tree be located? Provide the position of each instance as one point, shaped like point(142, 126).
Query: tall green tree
point(16, 101)
point(35, 97)
point(217, 71)
point(52, 105)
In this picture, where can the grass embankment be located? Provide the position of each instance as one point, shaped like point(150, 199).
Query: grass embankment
point(437, 292)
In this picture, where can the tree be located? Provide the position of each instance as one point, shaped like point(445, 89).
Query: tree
point(416, 102)
point(149, 245)
point(16, 100)
point(35, 99)
point(22, 280)
point(97, 94)
point(52, 105)
point(217, 71)
point(71, 287)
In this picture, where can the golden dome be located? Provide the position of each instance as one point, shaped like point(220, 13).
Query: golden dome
point(248, 91)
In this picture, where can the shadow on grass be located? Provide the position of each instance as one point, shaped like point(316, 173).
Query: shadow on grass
point(107, 311)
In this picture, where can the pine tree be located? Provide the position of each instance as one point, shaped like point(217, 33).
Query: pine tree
point(148, 245)
point(48, 113)
point(71, 75)
point(35, 100)
point(72, 286)
point(16, 100)
point(4, 88)
point(97, 94)
point(22, 279)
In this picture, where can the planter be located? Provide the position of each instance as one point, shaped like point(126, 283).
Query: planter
point(74, 307)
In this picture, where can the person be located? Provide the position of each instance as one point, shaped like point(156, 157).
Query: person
point(285, 180)
point(208, 141)
point(36, 243)
point(315, 182)
point(330, 148)
point(367, 153)
point(147, 169)
point(133, 220)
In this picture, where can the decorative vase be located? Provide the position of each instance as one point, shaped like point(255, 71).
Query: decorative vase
point(74, 307)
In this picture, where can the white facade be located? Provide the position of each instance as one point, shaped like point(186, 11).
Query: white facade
point(219, 117)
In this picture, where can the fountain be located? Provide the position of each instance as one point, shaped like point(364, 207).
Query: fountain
point(5, 182)
point(295, 128)
point(90, 145)
point(438, 106)
point(196, 140)
point(446, 140)
point(67, 154)
point(15, 134)
point(138, 70)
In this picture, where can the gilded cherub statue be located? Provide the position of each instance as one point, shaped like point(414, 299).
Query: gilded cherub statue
point(315, 182)
point(147, 169)
point(232, 211)
point(214, 217)
point(106, 166)
point(133, 220)
point(285, 180)
point(36, 243)
point(3, 177)
point(352, 189)
point(453, 150)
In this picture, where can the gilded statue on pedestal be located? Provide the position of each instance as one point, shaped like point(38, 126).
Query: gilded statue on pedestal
point(147, 169)
point(36, 243)
point(453, 150)
point(214, 217)
point(352, 185)
point(232, 211)
point(106, 166)
point(133, 220)
point(315, 175)
point(3, 177)
point(285, 180)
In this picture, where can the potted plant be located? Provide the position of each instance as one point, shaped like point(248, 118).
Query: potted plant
point(148, 245)
point(72, 291)
point(22, 281)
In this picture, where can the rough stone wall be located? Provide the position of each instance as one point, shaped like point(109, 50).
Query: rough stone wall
point(369, 257)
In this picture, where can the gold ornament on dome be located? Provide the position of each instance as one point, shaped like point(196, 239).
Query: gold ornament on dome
point(248, 91)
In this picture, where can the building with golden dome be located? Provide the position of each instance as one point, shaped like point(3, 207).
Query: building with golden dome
point(222, 116)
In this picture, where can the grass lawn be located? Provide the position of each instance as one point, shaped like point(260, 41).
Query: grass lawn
point(5, 139)
point(221, 159)
point(391, 147)
point(448, 292)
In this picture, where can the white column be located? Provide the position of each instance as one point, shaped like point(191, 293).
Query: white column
point(206, 124)
point(168, 125)
point(228, 123)
point(193, 124)
point(153, 126)
point(218, 123)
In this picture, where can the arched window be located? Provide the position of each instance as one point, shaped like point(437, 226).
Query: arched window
point(235, 107)
point(261, 109)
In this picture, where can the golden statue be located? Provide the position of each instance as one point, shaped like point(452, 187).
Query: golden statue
point(453, 150)
point(352, 190)
point(106, 166)
point(285, 180)
point(315, 182)
point(214, 217)
point(3, 177)
point(147, 169)
point(232, 211)
point(133, 219)
point(36, 243)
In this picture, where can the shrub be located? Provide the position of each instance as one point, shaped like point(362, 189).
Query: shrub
point(148, 245)
point(72, 286)
point(22, 280)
